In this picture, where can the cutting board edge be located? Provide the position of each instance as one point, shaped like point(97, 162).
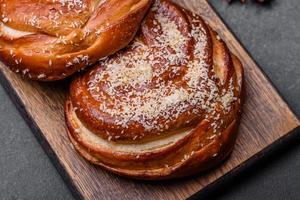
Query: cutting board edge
point(38, 133)
point(268, 151)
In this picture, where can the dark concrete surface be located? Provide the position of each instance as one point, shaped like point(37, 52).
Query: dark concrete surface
point(271, 34)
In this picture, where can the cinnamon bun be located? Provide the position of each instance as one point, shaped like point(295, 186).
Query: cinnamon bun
point(166, 106)
point(51, 39)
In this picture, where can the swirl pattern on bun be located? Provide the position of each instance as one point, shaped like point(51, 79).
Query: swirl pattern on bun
point(166, 106)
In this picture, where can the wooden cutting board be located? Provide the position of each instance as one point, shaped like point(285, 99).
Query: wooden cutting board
point(266, 119)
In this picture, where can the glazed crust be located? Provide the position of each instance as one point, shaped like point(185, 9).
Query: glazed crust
point(196, 135)
point(50, 40)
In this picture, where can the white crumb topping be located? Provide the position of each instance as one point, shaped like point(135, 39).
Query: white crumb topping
point(138, 85)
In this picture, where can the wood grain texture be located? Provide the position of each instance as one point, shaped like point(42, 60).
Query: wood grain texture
point(266, 119)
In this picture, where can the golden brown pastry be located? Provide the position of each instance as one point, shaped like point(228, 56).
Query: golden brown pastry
point(51, 39)
point(166, 106)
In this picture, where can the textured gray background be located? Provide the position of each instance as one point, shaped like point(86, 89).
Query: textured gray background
point(270, 33)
